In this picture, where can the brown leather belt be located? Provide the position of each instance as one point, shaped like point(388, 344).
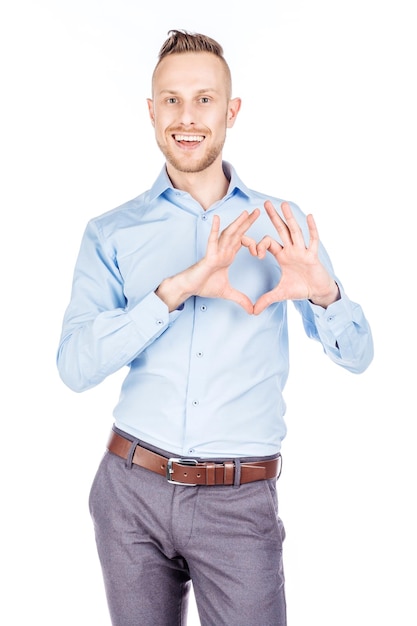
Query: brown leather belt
point(184, 471)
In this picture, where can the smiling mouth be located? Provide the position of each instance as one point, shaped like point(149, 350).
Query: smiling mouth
point(189, 138)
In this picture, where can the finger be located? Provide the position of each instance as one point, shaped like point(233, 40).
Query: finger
point(314, 234)
point(242, 223)
point(268, 244)
point(278, 222)
point(265, 301)
point(246, 223)
point(215, 228)
point(241, 299)
point(250, 243)
point(292, 225)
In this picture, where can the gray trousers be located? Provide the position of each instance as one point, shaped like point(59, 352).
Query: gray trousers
point(154, 537)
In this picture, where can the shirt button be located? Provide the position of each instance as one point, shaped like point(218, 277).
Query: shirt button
point(330, 318)
point(159, 322)
point(203, 308)
point(199, 354)
point(195, 403)
point(204, 217)
point(191, 450)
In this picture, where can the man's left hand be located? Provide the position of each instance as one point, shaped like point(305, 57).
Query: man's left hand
point(303, 275)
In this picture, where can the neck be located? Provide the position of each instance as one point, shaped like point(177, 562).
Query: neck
point(206, 187)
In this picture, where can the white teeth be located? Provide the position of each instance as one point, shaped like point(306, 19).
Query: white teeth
point(188, 137)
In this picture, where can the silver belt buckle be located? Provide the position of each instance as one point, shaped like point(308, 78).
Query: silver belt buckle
point(170, 470)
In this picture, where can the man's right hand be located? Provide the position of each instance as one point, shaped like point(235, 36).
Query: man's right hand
point(209, 277)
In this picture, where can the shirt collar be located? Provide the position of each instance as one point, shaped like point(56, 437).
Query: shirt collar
point(163, 182)
point(235, 182)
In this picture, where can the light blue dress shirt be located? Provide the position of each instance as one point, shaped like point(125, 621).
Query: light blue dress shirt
point(205, 380)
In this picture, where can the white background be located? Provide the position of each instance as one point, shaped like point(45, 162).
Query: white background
point(328, 121)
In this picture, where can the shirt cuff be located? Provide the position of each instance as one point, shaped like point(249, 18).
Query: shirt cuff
point(336, 317)
point(151, 316)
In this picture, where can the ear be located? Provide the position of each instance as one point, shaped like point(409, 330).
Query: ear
point(232, 111)
point(151, 111)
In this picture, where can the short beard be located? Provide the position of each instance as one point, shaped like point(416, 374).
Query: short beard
point(192, 168)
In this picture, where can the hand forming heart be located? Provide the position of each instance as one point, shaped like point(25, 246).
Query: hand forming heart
point(302, 274)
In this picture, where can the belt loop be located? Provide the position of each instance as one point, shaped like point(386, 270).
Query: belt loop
point(279, 466)
point(229, 473)
point(210, 473)
point(129, 460)
point(237, 473)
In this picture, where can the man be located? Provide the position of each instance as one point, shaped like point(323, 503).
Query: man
point(187, 286)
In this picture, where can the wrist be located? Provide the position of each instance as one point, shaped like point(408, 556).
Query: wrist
point(327, 299)
point(176, 289)
point(169, 293)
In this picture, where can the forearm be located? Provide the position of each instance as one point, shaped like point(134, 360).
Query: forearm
point(343, 331)
point(175, 290)
point(92, 350)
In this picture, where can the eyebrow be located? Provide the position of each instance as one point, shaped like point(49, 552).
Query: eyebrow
point(199, 91)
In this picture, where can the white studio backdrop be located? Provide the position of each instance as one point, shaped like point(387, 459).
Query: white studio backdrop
point(328, 121)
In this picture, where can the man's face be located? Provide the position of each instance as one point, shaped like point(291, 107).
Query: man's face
point(191, 109)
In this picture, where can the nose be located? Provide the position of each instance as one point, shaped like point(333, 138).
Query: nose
point(187, 114)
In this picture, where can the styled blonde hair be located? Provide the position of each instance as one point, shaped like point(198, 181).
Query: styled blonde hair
point(182, 41)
